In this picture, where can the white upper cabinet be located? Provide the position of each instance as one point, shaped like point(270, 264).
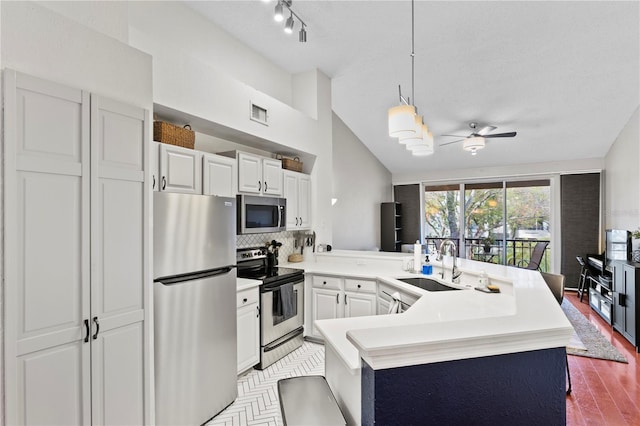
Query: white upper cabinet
point(259, 175)
point(219, 175)
point(297, 191)
point(180, 169)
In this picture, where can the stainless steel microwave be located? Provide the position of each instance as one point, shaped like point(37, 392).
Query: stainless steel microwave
point(258, 215)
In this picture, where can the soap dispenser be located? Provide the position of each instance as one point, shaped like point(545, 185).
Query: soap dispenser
point(427, 268)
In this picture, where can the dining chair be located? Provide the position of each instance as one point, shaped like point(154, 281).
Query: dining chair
point(555, 282)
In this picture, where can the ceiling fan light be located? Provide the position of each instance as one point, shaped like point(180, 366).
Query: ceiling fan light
point(473, 144)
point(402, 121)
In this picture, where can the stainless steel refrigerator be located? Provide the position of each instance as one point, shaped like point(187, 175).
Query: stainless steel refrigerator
point(194, 306)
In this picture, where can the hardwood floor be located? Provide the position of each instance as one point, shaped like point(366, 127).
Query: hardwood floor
point(604, 392)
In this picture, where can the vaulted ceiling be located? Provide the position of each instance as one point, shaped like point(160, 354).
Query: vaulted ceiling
point(564, 75)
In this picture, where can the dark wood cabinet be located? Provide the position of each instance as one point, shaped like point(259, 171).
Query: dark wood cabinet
point(626, 287)
point(390, 226)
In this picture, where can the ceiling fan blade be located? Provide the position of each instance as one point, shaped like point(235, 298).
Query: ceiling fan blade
point(501, 135)
point(449, 143)
point(485, 130)
point(456, 136)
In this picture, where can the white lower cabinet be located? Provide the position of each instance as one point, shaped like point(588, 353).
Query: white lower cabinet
point(335, 297)
point(248, 315)
point(74, 255)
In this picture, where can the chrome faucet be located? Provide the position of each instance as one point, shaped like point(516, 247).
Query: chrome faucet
point(455, 273)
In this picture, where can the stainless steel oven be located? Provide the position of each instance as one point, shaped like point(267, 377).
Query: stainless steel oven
point(281, 323)
point(281, 304)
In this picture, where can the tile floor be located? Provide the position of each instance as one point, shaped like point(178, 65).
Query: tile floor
point(257, 402)
point(604, 392)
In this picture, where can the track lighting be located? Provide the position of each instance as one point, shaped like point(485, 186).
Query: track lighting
point(288, 27)
point(278, 16)
point(302, 35)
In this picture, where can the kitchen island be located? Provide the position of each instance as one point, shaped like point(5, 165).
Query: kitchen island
point(454, 355)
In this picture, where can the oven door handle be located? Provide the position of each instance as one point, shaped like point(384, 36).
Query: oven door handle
point(284, 339)
point(267, 288)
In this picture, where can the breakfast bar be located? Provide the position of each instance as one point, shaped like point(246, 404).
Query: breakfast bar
point(496, 358)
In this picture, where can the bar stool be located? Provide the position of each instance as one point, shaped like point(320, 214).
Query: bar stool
point(583, 279)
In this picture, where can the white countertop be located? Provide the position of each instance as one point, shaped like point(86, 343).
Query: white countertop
point(446, 325)
point(245, 284)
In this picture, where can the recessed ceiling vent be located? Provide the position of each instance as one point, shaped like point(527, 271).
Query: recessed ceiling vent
point(259, 114)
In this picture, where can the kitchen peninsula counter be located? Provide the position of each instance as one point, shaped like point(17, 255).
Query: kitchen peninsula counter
point(440, 328)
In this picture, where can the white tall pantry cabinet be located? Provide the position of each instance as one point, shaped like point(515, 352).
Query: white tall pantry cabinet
point(75, 255)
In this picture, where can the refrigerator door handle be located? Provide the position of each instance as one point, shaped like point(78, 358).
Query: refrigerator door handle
point(177, 279)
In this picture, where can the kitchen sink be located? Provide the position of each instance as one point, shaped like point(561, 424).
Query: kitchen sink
point(427, 284)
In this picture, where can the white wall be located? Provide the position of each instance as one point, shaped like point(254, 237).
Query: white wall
point(622, 179)
point(180, 29)
point(42, 43)
point(533, 169)
point(361, 183)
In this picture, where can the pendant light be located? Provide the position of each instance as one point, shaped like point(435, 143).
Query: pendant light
point(404, 121)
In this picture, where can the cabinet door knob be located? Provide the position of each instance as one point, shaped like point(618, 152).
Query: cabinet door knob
point(87, 332)
point(345, 299)
point(296, 221)
point(266, 188)
point(244, 300)
point(300, 221)
point(338, 298)
point(258, 314)
point(324, 282)
point(259, 186)
point(164, 183)
point(359, 286)
point(153, 185)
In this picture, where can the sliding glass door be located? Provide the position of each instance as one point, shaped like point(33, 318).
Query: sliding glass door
point(497, 222)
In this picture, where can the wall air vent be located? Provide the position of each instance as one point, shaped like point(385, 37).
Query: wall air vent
point(259, 114)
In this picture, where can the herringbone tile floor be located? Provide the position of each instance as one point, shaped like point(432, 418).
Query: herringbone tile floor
point(257, 403)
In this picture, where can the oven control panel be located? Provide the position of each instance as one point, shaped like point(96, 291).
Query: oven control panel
point(251, 253)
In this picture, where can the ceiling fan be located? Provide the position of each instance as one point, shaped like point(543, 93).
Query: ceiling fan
point(476, 140)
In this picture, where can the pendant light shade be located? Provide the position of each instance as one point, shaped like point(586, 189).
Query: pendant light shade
point(473, 144)
point(402, 121)
point(425, 147)
point(417, 136)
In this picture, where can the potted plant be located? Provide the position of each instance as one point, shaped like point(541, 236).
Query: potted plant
point(487, 242)
point(635, 255)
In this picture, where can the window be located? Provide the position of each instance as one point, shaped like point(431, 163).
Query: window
point(501, 221)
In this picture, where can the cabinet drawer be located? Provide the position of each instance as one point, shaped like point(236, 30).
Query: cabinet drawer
point(365, 286)
point(246, 297)
point(326, 282)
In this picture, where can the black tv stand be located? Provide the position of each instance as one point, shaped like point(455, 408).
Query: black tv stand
point(601, 296)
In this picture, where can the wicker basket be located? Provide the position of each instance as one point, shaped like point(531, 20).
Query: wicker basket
point(292, 164)
point(174, 135)
point(295, 258)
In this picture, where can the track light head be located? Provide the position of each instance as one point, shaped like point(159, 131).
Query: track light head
point(278, 15)
point(302, 35)
point(288, 27)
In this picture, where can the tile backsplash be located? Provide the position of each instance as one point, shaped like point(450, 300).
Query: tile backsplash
point(287, 238)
